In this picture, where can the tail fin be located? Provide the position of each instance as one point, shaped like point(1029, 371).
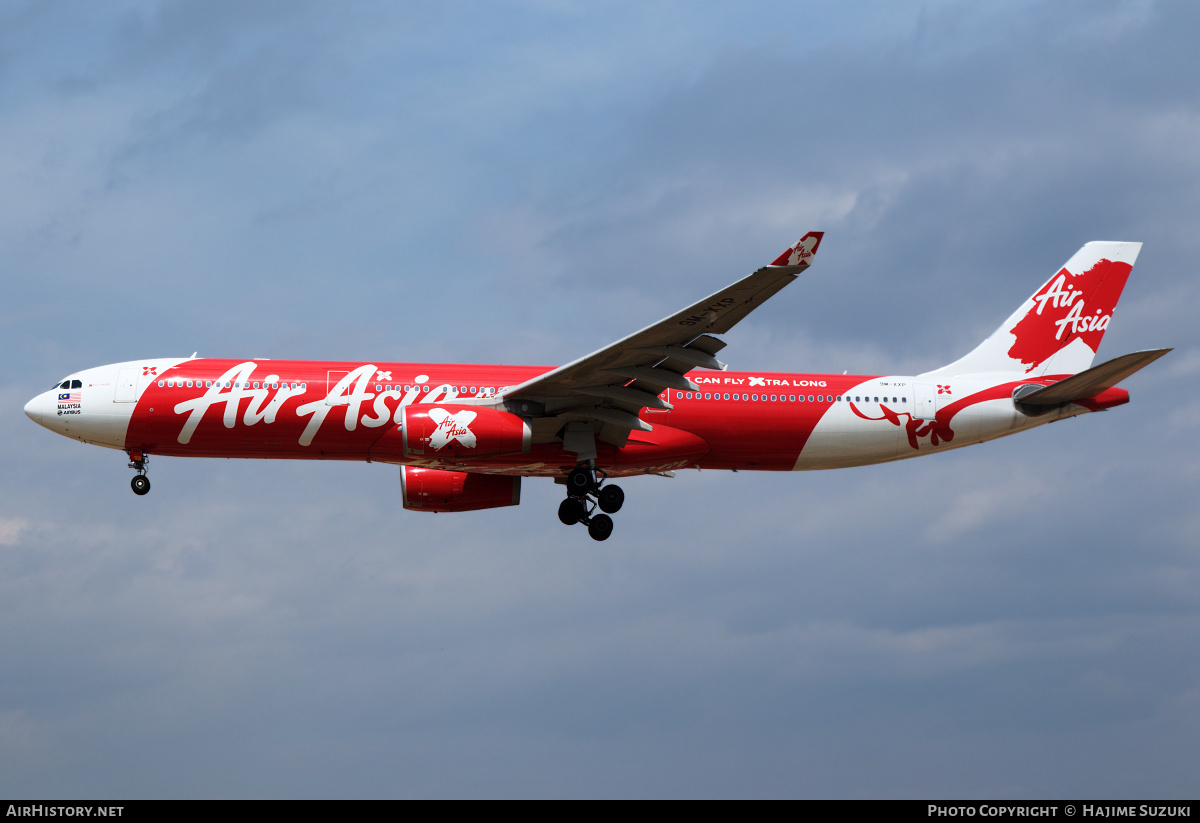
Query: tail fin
point(1058, 329)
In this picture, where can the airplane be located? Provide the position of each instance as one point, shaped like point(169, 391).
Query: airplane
point(654, 402)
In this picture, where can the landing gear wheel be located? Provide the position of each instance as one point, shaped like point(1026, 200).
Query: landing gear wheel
point(600, 527)
point(610, 498)
point(580, 482)
point(140, 484)
point(571, 511)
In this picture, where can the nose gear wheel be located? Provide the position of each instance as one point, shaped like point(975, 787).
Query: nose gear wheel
point(140, 482)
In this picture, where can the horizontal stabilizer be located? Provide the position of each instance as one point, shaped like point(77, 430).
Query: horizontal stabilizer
point(1091, 382)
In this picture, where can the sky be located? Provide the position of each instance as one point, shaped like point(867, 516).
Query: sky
point(525, 182)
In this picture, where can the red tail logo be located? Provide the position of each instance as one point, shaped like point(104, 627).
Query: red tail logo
point(1070, 306)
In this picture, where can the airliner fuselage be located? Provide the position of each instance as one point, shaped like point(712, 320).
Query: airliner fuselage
point(654, 402)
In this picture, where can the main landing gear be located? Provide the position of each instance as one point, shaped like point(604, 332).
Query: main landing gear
point(584, 495)
point(140, 482)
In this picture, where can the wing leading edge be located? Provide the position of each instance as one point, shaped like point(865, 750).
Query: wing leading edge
point(599, 396)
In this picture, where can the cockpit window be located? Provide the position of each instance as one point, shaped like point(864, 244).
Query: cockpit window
point(77, 384)
point(62, 384)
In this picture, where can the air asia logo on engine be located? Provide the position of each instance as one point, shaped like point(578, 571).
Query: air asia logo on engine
point(451, 427)
point(1069, 307)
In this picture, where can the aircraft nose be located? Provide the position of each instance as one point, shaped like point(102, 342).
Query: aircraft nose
point(39, 409)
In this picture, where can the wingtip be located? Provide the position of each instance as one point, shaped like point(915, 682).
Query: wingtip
point(802, 253)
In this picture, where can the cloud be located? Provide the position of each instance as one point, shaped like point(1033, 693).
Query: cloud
point(971, 509)
point(10, 530)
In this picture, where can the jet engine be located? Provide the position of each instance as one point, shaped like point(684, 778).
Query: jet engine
point(451, 431)
point(437, 490)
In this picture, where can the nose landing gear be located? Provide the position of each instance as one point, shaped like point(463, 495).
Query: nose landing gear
point(584, 495)
point(140, 482)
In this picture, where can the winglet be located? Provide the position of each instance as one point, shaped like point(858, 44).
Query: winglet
point(802, 253)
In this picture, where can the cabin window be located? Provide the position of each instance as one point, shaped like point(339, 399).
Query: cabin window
point(160, 384)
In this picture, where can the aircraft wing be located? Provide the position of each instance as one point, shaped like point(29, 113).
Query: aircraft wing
point(608, 388)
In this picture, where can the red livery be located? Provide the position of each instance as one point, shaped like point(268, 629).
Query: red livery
point(653, 402)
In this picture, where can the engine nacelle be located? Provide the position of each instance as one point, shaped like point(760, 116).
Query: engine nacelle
point(453, 431)
point(437, 490)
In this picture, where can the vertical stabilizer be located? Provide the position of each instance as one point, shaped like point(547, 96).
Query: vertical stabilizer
point(1059, 328)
